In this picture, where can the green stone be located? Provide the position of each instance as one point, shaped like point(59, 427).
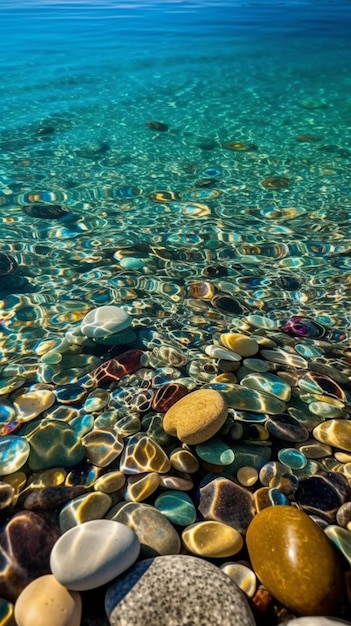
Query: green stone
point(244, 399)
point(215, 451)
point(54, 444)
point(177, 507)
point(268, 383)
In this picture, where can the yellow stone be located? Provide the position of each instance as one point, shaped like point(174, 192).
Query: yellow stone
point(110, 482)
point(45, 601)
point(141, 487)
point(197, 417)
point(335, 432)
point(241, 344)
point(247, 475)
point(212, 539)
point(295, 561)
point(184, 460)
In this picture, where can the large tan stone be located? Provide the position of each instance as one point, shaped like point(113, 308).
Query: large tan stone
point(197, 417)
point(45, 601)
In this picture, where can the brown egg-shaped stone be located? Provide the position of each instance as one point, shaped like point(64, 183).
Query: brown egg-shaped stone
point(295, 561)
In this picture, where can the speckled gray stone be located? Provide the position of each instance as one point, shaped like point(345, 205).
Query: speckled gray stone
point(176, 590)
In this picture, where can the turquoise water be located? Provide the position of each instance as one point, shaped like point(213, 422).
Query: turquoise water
point(248, 189)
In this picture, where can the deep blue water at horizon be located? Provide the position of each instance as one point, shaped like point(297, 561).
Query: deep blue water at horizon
point(249, 91)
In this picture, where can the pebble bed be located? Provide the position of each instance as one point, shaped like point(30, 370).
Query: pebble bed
point(175, 390)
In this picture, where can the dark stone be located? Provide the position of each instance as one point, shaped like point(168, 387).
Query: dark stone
point(167, 395)
point(286, 428)
point(227, 304)
point(8, 264)
point(289, 283)
point(225, 501)
point(275, 182)
point(206, 182)
point(46, 211)
point(323, 494)
point(25, 546)
point(160, 126)
point(51, 497)
point(215, 271)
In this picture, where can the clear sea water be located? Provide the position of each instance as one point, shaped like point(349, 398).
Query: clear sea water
point(248, 190)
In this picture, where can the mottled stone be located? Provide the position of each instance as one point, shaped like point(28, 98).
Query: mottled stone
point(93, 553)
point(44, 601)
point(21, 565)
point(225, 501)
point(212, 539)
point(335, 433)
point(196, 417)
point(194, 591)
point(156, 534)
point(295, 561)
point(84, 508)
point(143, 454)
point(47, 498)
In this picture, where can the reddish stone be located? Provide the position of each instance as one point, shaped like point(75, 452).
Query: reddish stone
point(115, 369)
point(167, 395)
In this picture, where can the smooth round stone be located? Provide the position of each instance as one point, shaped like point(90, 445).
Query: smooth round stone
point(105, 320)
point(326, 410)
point(30, 404)
point(197, 417)
point(286, 428)
point(176, 482)
point(91, 554)
point(244, 399)
point(45, 601)
point(143, 454)
point(225, 501)
point(268, 383)
point(14, 452)
point(7, 385)
point(194, 591)
point(247, 476)
point(295, 561)
point(284, 358)
point(156, 534)
point(240, 344)
point(54, 444)
point(111, 482)
point(256, 365)
point(102, 446)
point(217, 352)
point(84, 508)
point(184, 460)
point(25, 545)
point(212, 539)
point(341, 538)
point(132, 263)
point(335, 433)
point(167, 395)
point(242, 575)
point(215, 451)
point(313, 449)
point(141, 486)
point(260, 321)
point(292, 458)
point(97, 400)
point(177, 506)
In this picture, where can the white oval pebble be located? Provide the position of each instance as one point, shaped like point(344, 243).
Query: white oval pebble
point(105, 320)
point(91, 554)
point(222, 353)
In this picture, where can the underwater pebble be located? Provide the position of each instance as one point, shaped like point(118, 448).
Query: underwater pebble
point(196, 417)
point(212, 539)
point(285, 567)
point(93, 553)
point(14, 452)
point(45, 601)
point(84, 508)
point(194, 591)
point(177, 507)
point(105, 320)
point(242, 575)
point(30, 404)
